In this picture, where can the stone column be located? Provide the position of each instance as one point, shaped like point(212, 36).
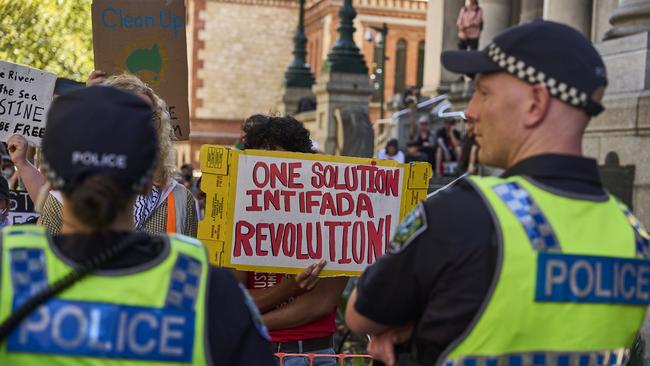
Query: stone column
point(496, 17)
point(342, 93)
point(441, 34)
point(298, 78)
point(531, 9)
point(337, 94)
point(630, 17)
point(576, 13)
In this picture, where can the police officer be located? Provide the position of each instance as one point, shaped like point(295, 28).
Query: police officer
point(539, 266)
point(100, 294)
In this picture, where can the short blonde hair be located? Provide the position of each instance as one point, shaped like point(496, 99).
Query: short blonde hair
point(165, 165)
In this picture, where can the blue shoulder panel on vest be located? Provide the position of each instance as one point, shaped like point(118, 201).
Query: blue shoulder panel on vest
point(532, 219)
point(77, 328)
point(591, 279)
point(184, 284)
point(28, 272)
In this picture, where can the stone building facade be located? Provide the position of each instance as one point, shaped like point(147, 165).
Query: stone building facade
point(406, 22)
point(618, 28)
point(240, 49)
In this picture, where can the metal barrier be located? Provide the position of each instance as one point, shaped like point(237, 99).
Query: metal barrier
point(342, 359)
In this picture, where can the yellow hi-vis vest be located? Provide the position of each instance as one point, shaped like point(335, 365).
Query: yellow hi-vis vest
point(571, 285)
point(153, 314)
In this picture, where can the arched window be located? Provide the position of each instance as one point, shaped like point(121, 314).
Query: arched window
point(420, 69)
point(376, 64)
point(400, 66)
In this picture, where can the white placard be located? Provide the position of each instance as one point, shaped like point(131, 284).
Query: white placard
point(290, 213)
point(25, 97)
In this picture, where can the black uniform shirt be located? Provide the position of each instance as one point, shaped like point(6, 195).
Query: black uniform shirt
point(439, 280)
point(233, 337)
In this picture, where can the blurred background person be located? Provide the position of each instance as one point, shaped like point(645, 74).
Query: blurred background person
point(391, 152)
point(413, 153)
point(447, 148)
point(470, 25)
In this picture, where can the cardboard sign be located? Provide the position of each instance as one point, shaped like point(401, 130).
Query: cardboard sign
point(25, 97)
point(21, 207)
point(146, 38)
point(272, 211)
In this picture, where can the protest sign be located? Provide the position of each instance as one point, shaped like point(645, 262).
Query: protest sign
point(21, 207)
point(25, 97)
point(146, 38)
point(275, 211)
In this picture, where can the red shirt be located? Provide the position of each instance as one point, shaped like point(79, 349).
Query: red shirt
point(323, 327)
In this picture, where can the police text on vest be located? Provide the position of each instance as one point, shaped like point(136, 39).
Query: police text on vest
point(592, 279)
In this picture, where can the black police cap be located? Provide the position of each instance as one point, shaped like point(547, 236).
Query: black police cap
point(99, 130)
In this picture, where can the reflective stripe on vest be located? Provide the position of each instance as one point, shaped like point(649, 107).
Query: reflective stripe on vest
point(572, 281)
point(151, 316)
point(614, 357)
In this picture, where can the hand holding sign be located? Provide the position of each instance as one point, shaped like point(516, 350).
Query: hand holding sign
point(17, 147)
point(307, 279)
point(96, 77)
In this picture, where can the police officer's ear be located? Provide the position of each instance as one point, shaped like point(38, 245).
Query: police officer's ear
point(537, 104)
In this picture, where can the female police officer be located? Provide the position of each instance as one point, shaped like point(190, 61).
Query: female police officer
point(100, 293)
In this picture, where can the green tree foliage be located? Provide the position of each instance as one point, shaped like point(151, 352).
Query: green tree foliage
point(53, 35)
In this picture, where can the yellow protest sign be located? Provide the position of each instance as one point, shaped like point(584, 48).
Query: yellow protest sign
point(276, 211)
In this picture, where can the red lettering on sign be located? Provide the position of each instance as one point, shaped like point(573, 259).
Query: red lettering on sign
point(243, 238)
point(256, 169)
point(358, 242)
point(259, 237)
point(344, 249)
point(315, 252)
point(254, 206)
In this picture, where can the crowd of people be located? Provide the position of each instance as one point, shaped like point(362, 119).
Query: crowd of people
point(115, 253)
point(450, 152)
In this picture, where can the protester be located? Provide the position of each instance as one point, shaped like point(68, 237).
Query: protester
point(9, 171)
point(168, 206)
point(299, 311)
point(468, 162)
point(470, 25)
point(425, 138)
point(100, 293)
point(448, 147)
point(200, 198)
point(391, 152)
point(5, 206)
point(518, 286)
point(413, 153)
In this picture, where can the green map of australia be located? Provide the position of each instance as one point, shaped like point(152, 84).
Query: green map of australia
point(145, 59)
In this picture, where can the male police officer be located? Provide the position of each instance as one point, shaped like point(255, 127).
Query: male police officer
point(538, 267)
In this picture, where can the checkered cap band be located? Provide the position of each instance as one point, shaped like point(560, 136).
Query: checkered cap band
point(184, 283)
point(28, 272)
point(539, 231)
point(528, 73)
